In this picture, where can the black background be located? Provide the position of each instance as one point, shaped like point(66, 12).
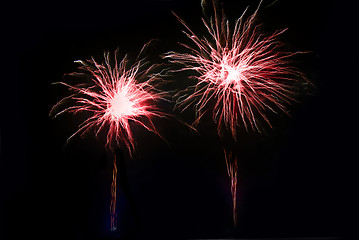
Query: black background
point(294, 180)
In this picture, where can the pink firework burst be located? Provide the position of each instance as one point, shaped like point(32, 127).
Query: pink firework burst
point(114, 96)
point(241, 74)
point(244, 72)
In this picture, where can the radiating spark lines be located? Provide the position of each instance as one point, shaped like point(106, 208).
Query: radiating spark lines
point(242, 70)
point(240, 74)
point(116, 97)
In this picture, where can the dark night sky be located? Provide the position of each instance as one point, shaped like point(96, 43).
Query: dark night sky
point(293, 180)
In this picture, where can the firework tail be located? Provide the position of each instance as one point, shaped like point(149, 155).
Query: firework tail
point(232, 170)
point(114, 195)
point(115, 94)
point(245, 72)
point(120, 181)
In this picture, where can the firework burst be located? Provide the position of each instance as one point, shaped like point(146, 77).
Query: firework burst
point(244, 72)
point(241, 74)
point(115, 97)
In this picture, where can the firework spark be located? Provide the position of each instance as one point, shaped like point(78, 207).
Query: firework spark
point(242, 70)
point(115, 97)
point(241, 74)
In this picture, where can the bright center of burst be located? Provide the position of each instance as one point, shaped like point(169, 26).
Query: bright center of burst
point(120, 106)
point(232, 77)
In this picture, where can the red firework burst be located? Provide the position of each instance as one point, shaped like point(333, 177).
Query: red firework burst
point(115, 97)
point(242, 70)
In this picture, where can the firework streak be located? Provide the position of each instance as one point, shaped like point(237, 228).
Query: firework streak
point(115, 97)
point(232, 170)
point(113, 196)
point(240, 75)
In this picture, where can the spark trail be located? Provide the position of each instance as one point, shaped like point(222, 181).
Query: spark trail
point(116, 99)
point(232, 170)
point(240, 74)
point(113, 196)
